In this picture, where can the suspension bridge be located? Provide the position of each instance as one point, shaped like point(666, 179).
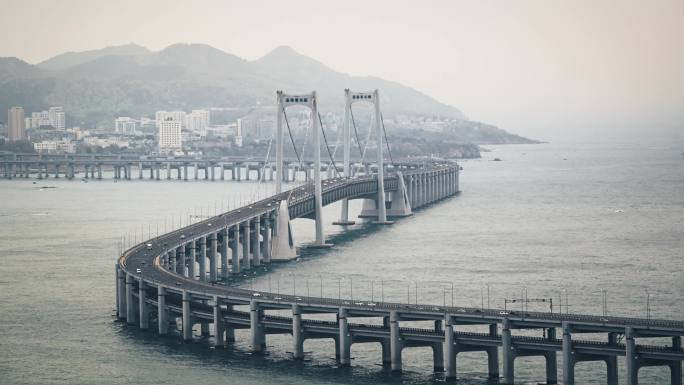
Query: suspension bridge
point(174, 280)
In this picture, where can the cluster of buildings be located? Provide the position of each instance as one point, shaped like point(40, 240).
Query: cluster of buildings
point(18, 122)
point(168, 132)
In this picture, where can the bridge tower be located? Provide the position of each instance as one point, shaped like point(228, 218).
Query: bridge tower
point(373, 97)
point(308, 101)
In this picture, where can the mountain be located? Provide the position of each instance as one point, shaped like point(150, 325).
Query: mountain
point(304, 73)
point(71, 59)
point(96, 86)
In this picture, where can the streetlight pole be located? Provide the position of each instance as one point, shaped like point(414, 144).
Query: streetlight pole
point(452, 294)
point(648, 306)
point(351, 288)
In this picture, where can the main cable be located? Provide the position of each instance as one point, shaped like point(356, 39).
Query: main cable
point(289, 131)
point(356, 132)
point(325, 139)
point(382, 120)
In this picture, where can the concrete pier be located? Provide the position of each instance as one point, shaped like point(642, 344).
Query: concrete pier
point(257, 340)
point(187, 317)
point(219, 338)
point(162, 311)
point(396, 344)
point(297, 332)
point(130, 304)
point(344, 339)
point(213, 267)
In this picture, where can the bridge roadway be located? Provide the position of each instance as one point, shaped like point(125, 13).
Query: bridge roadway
point(166, 292)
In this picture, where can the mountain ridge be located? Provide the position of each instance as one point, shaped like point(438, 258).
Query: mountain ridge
point(96, 86)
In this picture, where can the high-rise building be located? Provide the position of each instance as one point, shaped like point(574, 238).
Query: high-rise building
point(57, 118)
point(238, 133)
point(17, 128)
point(163, 116)
point(198, 121)
point(169, 135)
point(125, 126)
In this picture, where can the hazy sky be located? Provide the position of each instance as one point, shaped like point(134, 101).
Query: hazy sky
point(548, 69)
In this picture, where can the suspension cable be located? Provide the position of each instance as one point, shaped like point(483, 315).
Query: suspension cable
point(382, 120)
point(291, 138)
point(356, 132)
point(337, 144)
point(370, 132)
point(325, 139)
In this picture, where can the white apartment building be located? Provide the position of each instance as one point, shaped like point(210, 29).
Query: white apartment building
point(52, 146)
point(169, 135)
point(238, 133)
point(163, 116)
point(125, 126)
point(57, 118)
point(198, 121)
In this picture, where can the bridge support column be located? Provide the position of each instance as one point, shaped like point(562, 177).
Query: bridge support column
point(187, 322)
point(224, 253)
point(192, 259)
point(611, 362)
point(162, 311)
point(196, 169)
point(676, 367)
point(257, 331)
point(181, 260)
point(121, 292)
point(219, 339)
point(550, 358)
point(266, 249)
point(130, 304)
point(235, 249)
point(185, 172)
point(142, 306)
point(246, 262)
point(493, 356)
point(140, 170)
point(508, 354)
point(202, 258)
point(631, 358)
point(438, 350)
point(344, 338)
point(568, 356)
point(449, 349)
point(230, 330)
point(396, 344)
point(297, 332)
point(256, 242)
point(213, 266)
point(213, 171)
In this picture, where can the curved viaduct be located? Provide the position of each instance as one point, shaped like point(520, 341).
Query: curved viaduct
point(173, 278)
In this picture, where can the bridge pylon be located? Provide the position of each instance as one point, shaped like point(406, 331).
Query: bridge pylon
point(372, 207)
point(308, 101)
